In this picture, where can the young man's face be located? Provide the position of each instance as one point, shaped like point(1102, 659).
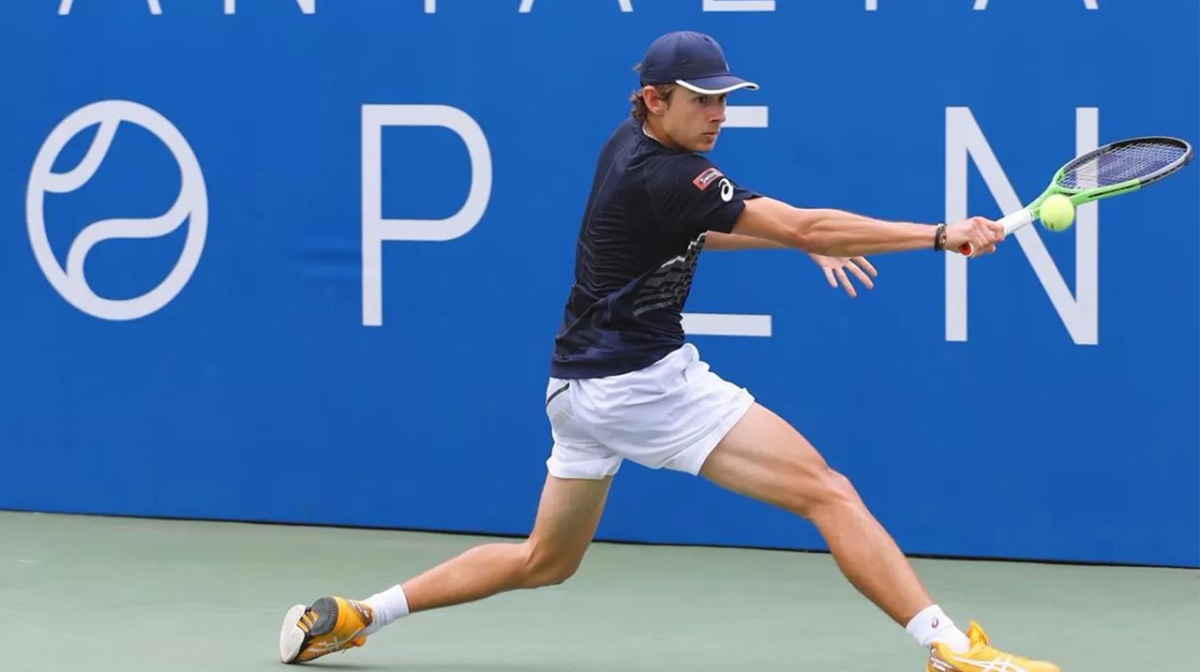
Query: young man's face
point(690, 120)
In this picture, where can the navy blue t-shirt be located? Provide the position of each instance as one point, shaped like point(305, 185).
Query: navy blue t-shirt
point(641, 236)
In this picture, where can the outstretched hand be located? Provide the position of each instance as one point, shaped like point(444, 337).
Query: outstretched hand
point(981, 233)
point(835, 271)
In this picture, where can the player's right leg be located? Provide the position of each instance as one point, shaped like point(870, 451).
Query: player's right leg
point(765, 458)
point(677, 414)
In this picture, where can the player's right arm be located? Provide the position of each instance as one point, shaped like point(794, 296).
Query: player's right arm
point(838, 233)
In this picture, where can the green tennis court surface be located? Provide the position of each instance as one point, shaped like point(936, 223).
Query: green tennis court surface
point(121, 595)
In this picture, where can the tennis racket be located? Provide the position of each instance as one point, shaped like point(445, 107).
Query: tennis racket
point(1117, 168)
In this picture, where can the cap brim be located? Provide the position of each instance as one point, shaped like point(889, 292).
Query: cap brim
point(717, 85)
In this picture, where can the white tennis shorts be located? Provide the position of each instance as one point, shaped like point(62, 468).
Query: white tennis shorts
point(670, 415)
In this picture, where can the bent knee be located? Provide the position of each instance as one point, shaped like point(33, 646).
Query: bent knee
point(829, 489)
point(546, 567)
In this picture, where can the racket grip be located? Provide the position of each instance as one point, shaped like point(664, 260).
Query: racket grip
point(1011, 223)
point(1017, 220)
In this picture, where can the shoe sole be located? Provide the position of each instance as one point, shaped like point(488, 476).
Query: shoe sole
point(291, 637)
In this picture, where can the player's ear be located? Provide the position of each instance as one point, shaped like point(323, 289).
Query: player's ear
point(658, 99)
point(653, 101)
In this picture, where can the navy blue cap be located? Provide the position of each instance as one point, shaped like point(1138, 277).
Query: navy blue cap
point(692, 60)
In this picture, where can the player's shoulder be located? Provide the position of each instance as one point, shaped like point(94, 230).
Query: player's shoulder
point(657, 168)
point(627, 138)
point(672, 170)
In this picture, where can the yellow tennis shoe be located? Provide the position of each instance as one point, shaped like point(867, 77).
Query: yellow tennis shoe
point(981, 658)
point(331, 624)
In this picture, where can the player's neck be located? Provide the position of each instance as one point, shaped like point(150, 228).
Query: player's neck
point(656, 133)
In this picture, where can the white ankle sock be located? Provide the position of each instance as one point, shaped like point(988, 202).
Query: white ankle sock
point(389, 605)
point(933, 625)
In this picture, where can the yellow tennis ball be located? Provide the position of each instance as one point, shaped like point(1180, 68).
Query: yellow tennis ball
point(1057, 213)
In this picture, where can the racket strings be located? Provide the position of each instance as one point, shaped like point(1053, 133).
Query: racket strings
point(1136, 160)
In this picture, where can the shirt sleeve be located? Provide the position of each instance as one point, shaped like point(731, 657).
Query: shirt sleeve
point(692, 195)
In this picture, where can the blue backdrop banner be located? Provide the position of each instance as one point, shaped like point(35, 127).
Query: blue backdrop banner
point(255, 250)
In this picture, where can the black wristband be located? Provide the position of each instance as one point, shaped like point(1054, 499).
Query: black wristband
point(939, 239)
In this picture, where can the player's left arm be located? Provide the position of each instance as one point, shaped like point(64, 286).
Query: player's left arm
point(736, 241)
point(837, 270)
point(696, 194)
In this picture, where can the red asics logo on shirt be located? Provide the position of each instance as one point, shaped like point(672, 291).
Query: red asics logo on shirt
point(706, 178)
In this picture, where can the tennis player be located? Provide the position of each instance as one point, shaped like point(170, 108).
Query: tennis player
point(624, 384)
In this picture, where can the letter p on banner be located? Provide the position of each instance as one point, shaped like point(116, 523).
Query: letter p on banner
point(376, 229)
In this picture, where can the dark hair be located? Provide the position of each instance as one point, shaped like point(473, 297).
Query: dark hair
point(637, 104)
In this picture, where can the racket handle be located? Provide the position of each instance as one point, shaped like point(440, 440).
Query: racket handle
point(1012, 223)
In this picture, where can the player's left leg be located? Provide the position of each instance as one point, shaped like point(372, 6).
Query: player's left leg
point(567, 518)
point(573, 500)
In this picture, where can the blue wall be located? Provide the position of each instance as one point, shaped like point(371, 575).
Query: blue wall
point(978, 419)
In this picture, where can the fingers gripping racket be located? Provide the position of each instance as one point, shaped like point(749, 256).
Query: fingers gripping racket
point(1117, 168)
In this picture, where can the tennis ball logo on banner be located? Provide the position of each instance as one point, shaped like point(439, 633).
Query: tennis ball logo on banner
point(191, 203)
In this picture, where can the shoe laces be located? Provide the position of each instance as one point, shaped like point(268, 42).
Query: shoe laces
point(307, 620)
